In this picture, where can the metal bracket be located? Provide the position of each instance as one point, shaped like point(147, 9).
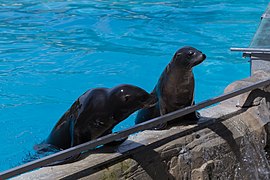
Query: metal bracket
point(265, 16)
point(249, 52)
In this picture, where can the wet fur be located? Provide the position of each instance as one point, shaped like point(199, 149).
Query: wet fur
point(95, 114)
point(175, 87)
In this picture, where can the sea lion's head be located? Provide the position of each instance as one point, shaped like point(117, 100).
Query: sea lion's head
point(126, 99)
point(188, 57)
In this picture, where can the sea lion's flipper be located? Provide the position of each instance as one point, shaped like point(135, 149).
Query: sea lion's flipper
point(150, 113)
point(43, 148)
point(161, 126)
point(147, 114)
point(47, 149)
point(193, 117)
point(67, 160)
point(116, 142)
point(162, 111)
point(113, 143)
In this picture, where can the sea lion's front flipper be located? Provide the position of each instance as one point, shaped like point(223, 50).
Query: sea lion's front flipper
point(113, 143)
point(67, 160)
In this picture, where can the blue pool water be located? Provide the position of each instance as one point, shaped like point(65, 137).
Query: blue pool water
point(53, 51)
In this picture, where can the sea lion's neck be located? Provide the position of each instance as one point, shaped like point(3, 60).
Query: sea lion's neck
point(183, 67)
point(175, 69)
point(176, 86)
point(177, 76)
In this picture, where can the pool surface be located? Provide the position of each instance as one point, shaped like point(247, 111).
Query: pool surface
point(51, 52)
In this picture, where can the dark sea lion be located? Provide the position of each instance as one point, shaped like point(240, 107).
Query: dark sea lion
point(175, 87)
point(94, 114)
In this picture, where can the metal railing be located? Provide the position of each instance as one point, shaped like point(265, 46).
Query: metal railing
point(257, 50)
point(125, 133)
point(248, 52)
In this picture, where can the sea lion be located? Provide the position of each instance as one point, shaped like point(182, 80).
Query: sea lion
point(94, 114)
point(175, 87)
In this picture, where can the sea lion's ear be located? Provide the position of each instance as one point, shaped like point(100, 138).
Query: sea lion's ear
point(126, 97)
point(178, 54)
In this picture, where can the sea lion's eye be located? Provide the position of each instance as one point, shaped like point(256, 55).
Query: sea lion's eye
point(190, 53)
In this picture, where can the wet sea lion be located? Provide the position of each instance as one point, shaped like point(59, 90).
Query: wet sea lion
point(175, 87)
point(94, 114)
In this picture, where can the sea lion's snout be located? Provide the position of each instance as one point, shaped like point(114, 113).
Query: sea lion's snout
point(203, 56)
point(199, 59)
point(188, 57)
